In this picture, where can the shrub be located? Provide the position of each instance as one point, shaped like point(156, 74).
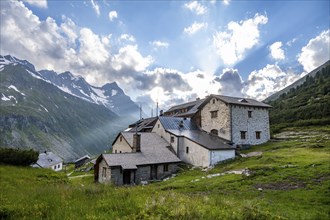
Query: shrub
point(18, 157)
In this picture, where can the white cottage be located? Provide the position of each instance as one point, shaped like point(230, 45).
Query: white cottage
point(192, 145)
point(49, 160)
point(242, 121)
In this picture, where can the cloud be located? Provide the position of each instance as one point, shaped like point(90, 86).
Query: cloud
point(196, 7)
point(194, 28)
point(127, 37)
point(231, 45)
point(37, 3)
point(226, 2)
point(231, 83)
point(276, 51)
point(264, 82)
point(113, 15)
point(159, 44)
point(96, 7)
point(316, 52)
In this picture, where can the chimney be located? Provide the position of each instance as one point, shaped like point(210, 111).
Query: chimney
point(136, 142)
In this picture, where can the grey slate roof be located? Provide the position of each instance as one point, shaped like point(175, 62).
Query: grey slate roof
point(191, 131)
point(154, 150)
point(82, 158)
point(194, 106)
point(209, 141)
point(143, 124)
point(241, 101)
point(173, 123)
point(48, 159)
point(191, 106)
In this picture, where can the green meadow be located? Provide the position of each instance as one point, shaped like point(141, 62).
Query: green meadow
point(290, 180)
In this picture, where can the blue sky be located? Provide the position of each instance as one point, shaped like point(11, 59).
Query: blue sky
point(172, 51)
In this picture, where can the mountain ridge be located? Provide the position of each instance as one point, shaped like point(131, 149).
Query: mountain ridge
point(35, 113)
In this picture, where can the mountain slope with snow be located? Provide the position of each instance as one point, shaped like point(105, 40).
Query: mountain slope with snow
point(34, 113)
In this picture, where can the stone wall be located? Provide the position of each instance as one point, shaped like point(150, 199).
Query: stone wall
point(221, 123)
point(104, 177)
point(121, 146)
point(142, 174)
point(259, 121)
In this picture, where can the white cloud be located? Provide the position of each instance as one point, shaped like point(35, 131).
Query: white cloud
point(129, 57)
point(127, 37)
point(37, 3)
point(226, 2)
point(264, 82)
point(276, 51)
point(91, 47)
point(96, 7)
point(159, 44)
point(196, 7)
point(231, 45)
point(113, 15)
point(316, 52)
point(194, 28)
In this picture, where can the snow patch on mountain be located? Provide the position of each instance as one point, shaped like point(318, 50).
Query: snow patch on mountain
point(4, 98)
point(14, 88)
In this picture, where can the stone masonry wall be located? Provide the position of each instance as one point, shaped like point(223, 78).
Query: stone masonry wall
point(259, 121)
point(107, 177)
point(221, 123)
point(121, 146)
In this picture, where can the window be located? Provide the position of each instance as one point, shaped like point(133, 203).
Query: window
point(214, 131)
point(115, 151)
point(250, 114)
point(258, 133)
point(213, 101)
point(214, 114)
point(120, 152)
point(55, 167)
point(187, 150)
point(165, 168)
point(158, 125)
point(243, 134)
point(121, 138)
point(104, 172)
point(172, 139)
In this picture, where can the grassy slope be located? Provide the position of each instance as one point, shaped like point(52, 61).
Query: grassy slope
point(293, 174)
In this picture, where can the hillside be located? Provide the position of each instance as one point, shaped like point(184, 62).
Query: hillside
point(306, 104)
point(290, 180)
point(296, 83)
point(36, 114)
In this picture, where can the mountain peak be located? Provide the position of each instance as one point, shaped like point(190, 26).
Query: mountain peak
point(9, 59)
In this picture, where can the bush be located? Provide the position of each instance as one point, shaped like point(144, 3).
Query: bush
point(18, 157)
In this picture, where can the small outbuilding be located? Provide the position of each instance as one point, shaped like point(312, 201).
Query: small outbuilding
point(81, 161)
point(49, 160)
point(136, 158)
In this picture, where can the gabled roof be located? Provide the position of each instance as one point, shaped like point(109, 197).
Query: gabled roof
point(206, 140)
point(82, 158)
point(241, 101)
point(154, 150)
point(176, 123)
point(142, 124)
point(48, 159)
point(194, 106)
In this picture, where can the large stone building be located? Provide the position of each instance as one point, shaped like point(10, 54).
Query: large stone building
point(136, 157)
point(241, 121)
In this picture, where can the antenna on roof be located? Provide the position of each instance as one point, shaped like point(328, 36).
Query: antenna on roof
point(157, 108)
point(140, 111)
